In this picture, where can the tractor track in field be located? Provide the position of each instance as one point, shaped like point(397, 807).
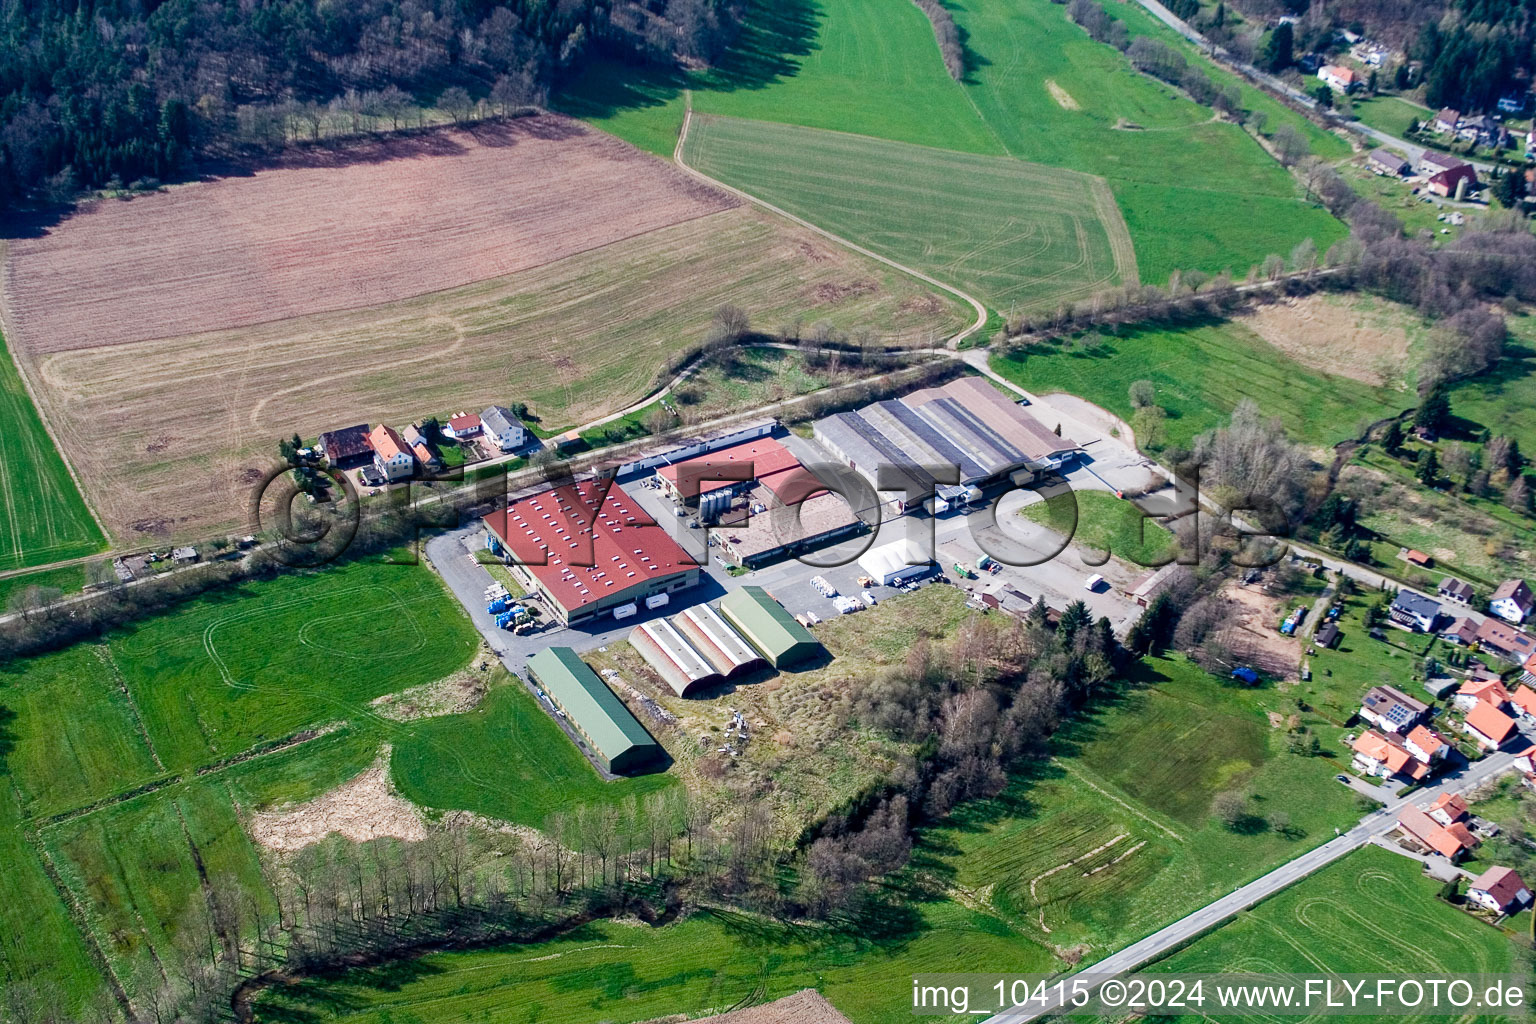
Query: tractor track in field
point(971, 300)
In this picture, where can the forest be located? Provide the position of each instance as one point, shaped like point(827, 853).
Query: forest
point(109, 93)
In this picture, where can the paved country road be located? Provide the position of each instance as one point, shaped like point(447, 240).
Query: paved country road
point(1374, 825)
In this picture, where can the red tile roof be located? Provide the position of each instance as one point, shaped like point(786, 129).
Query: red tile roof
point(591, 545)
point(1524, 698)
point(1453, 804)
point(1426, 739)
point(766, 456)
point(464, 421)
point(388, 442)
point(1491, 722)
point(1490, 690)
point(1453, 839)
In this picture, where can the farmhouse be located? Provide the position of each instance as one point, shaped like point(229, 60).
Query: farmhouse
point(1415, 611)
point(1338, 78)
point(1500, 890)
point(672, 657)
point(462, 426)
point(966, 423)
point(897, 562)
point(1456, 591)
point(347, 448)
point(505, 429)
point(589, 551)
point(1505, 641)
point(1432, 161)
point(392, 456)
point(1391, 710)
point(1512, 601)
point(1489, 727)
point(765, 624)
point(1421, 831)
point(1455, 182)
point(714, 638)
point(612, 734)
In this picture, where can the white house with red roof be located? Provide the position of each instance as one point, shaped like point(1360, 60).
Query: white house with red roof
point(1482, 691)
point(1523, 703)
point(1426, 744)
point(1338, 77)
point(1489, 727)
point(391, 454)
point(1386, 755)
point(1419, 830)
point(462, 425)
point(1499, 889)
point(1448, 809)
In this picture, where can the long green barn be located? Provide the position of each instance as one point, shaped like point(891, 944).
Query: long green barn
point(614, 736)
point(769, 627)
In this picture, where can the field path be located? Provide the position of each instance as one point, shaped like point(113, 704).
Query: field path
point(677, 158)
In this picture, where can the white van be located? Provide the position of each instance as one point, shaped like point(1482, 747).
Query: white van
point(1092, 586)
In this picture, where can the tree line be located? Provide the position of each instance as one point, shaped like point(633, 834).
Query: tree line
point(948, 35)
point(113, 92)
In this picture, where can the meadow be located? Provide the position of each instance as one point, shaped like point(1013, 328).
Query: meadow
point(133, 765)
point(1200, 372)
point(1104, 842)
point(1501, 400)
point(1196, 192)
point(1390, 114)
point(575, 339)
point(1372, 912)
point(1026, 235)
point(42, 515)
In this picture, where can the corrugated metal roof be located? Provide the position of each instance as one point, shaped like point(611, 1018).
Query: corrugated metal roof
point(765, 623)
point(600, 716)
point(674, 659)
point(714, 638)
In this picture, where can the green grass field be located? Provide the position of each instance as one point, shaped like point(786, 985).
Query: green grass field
point(1026, 235)
point(1125, 804)
point(42, 516)
point(1502, 399)
point(1370, 913)
point(1195, 193)
point(131, 761)
point(1390, 114)
point(1106, 523)
point(1200, 373)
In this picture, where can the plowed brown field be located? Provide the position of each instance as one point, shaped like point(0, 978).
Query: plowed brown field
point(398, 218)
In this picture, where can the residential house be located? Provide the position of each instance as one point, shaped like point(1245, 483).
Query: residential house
point(1525, 764)
point(1481, 691)
point(1447, 120)
point(1500, 890)
point(391, 455)
point(504, 428)
point(1388, 163)
point(184, 556)
point(1506, 641)
point(1456, 591)
point(1479, 128)
point(1385, 755)
point(1426, 744)
point(1528, 675)
point(1448, 809)
point(1420, 830)
point(1327, 635)
point(1523, 703)
point(348, 447)
point(462, 426)
point(1454, 183)
point(421, 447)
point(1489, 727)
point(1392, 710)
point(1432, 161)
point(1462, 632)
point(1512, 601)
point(1338, 78)
point(1415, 611)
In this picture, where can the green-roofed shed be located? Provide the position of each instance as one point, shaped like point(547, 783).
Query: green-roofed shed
point(768, 627)
point(617, 739)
